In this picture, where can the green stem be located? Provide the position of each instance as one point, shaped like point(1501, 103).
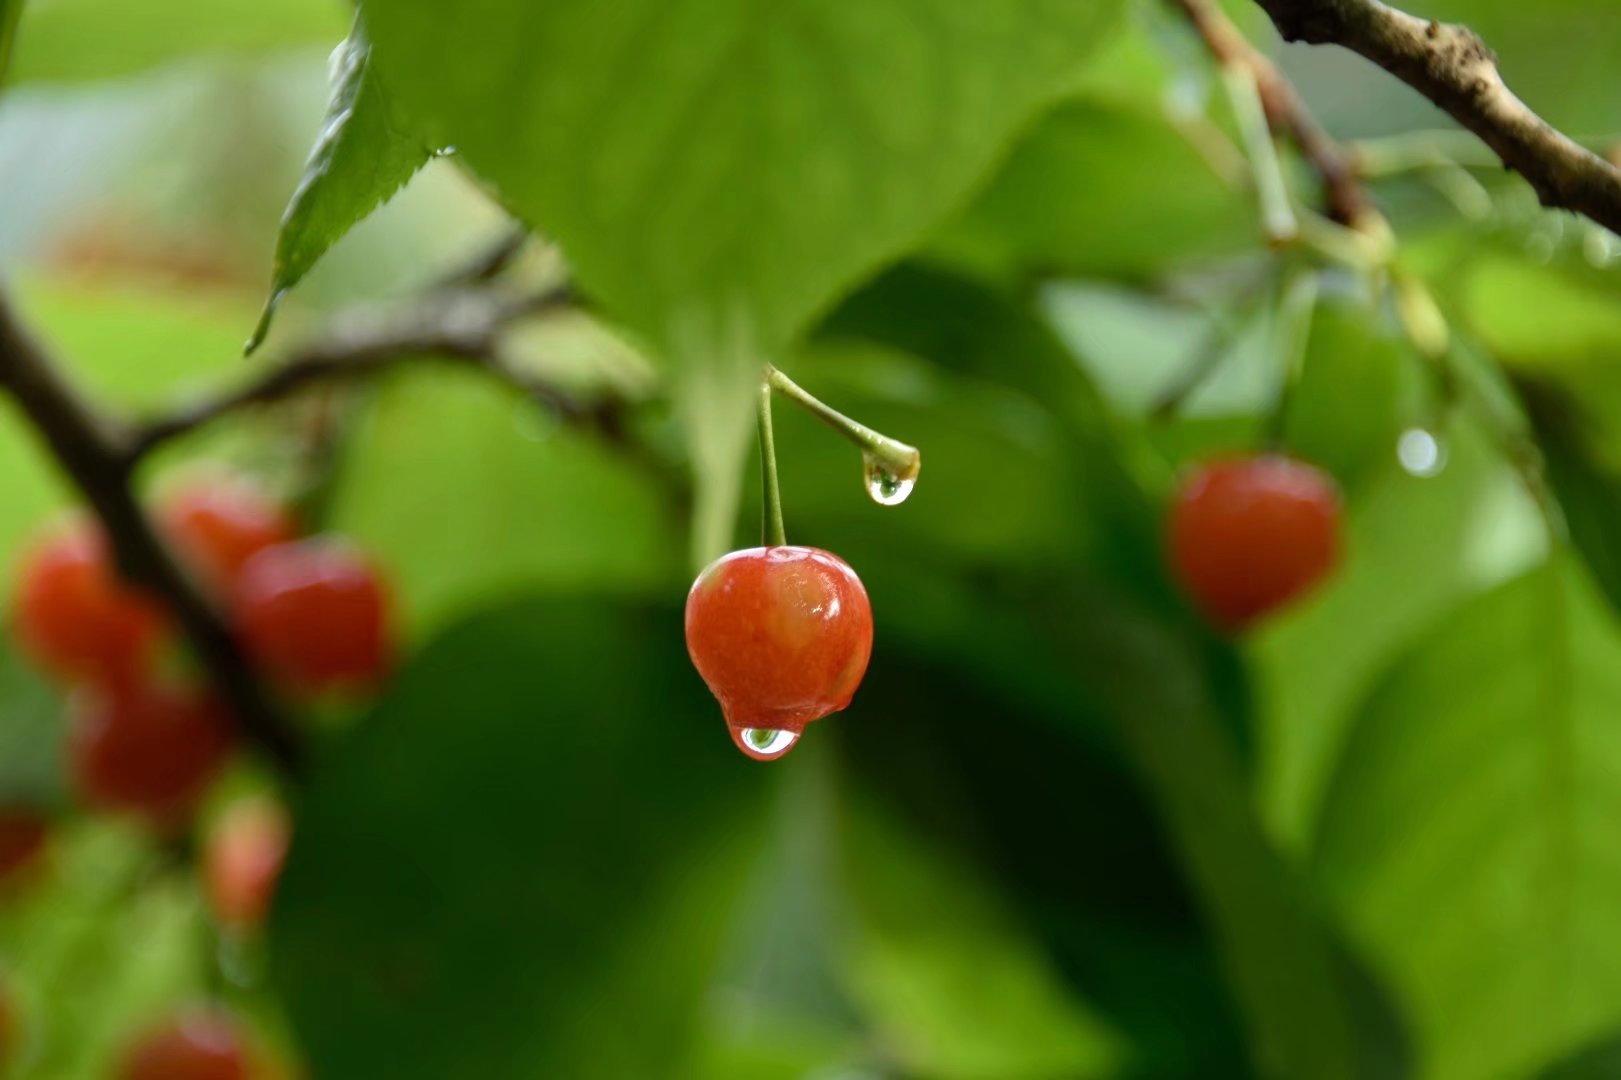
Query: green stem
point(1277, 212)
point(895, 457)
point(773, 533)
point(1295, 309)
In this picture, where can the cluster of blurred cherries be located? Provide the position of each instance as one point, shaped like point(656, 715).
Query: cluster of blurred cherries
point(147, 734)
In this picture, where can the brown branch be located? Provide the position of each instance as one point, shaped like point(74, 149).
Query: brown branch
point(1344, 197)
point(1452, 66)
point(93, 453)
point(455, 328)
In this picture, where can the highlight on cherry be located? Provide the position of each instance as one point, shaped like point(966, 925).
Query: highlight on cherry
point(781, 633)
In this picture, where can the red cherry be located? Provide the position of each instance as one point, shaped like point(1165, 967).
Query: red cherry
point(74, 615)
point(147, 748)
point(1248, 535)
point(22, 839)
point(243, 861)
point(220, 524)
point(197, 1044)
point(782, 636)
point(314, 613)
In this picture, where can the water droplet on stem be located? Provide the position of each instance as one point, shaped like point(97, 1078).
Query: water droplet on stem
point(764, 744)
point(886, 487)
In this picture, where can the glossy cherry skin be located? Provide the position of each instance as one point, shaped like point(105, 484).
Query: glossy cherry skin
point(75, 616)
point(147, 749)
point(781, 635)
point(315, 614)
point(198, 1044)
point(219, 524)
point(1249, 534)
point(22, 840)
point(243, 861)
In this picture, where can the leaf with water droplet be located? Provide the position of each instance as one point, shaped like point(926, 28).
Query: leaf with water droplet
point(360, 159)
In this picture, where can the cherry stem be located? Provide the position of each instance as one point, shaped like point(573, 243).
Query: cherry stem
point(895, 457)
point(772, 532)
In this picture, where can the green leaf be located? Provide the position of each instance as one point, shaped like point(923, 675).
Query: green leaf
point(1350, 358)
point(500, 500)
point(109, 941)
point(10, 14)
point(1586, 481)
point(359, 161)
point(1468, 833)
point(526, 846)
point(31, 765)
point(720, 170)
point(1532, 315)
point(1415, 548)
point(1102, 189)
point(81, 40)
point(954, 986)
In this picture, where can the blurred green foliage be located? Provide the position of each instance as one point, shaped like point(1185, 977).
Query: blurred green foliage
point(1065, 830)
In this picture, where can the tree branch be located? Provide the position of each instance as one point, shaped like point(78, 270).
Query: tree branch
point(92, 450)
point(1451, 65)
point(1344, 197)
point(458, 328)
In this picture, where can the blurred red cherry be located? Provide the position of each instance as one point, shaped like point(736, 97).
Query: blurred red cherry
point(197, 1044)
point(243, 861)
point(220, 523)
point(1249, 534)
point(75, 617)
point(23, 831)
point(146, 748)
point(782, 636)
point(315, 614)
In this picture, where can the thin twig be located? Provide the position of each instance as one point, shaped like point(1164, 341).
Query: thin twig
point(488, 264)
point(1451, 65)
point(93, 452)
point(461, 327)
point(1344, 197)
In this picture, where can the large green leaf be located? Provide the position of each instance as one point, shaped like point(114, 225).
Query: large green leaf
point(1349, 357)
point(719, 170)
point(1102, 189)
point(1468, 834)
point(1586, 480)
point(359, 161)
point(1416, 546)
point(730, 159)
point(526, 846)
point(955, 987)
point(78, 40)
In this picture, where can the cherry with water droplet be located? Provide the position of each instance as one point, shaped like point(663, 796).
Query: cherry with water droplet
point(782, 636)
point(1248, 535)
point(196, 1044)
